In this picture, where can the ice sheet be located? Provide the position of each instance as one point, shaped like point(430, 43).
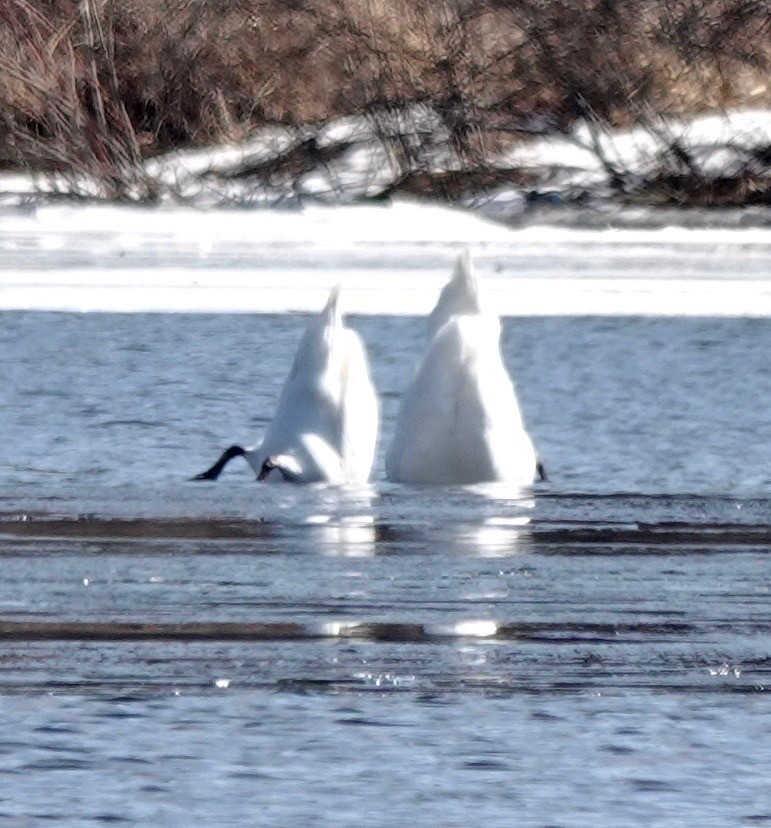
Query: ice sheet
point(388, 259)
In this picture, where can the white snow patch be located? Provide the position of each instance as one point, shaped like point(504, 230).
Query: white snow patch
point(637, 149)
point(367, 164)
point(388, 260)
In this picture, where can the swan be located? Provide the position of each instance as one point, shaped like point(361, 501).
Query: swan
point(459, 421)
point(326, 422)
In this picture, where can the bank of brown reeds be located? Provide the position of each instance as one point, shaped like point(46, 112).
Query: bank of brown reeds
point(90, 88)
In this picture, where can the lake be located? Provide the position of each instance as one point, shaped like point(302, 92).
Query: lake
point(592, 651)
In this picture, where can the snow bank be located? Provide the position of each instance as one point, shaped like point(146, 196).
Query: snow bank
point(635, 149)
point(353, 158)
point(388, 260)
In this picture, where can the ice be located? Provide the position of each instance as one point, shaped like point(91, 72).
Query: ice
point(388, 259)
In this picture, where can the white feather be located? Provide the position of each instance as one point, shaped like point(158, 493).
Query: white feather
point(460, 421)
point(326, 422)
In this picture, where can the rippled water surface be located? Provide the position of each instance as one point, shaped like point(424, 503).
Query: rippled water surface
point(594, 651)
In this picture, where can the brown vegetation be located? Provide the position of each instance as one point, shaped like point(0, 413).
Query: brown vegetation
point(90, 88)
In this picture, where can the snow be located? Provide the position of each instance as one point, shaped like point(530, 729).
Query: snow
point(388, 259)
point(366, 164)
point(636, 149)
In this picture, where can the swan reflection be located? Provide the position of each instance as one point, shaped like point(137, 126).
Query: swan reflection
point(348, 537)
point(475, 629)
point(499, 537)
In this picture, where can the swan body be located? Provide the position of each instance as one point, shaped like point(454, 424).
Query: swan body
point(326, 421)
point(460, 421)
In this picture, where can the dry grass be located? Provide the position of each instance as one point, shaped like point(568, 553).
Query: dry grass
point(89, 88)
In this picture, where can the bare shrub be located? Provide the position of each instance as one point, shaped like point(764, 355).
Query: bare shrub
point(61, 113)
point(89, 89)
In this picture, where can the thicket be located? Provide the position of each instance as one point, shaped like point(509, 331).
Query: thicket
point(91, 88)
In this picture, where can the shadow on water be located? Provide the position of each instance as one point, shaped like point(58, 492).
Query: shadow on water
point(504, 595)
point(476, 524)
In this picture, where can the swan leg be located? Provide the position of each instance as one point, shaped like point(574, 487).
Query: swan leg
point(214, 472)
point(539, 467)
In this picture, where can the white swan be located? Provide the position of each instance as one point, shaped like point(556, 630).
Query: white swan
point(326, 422)
point(459, 421)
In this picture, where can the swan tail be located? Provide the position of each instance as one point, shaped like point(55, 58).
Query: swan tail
point(332, 314)
point(459, 297)
point(464, 283)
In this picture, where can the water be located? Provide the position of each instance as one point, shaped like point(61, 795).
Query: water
point(593, 651)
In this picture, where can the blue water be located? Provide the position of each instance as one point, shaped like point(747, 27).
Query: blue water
point(594, 651)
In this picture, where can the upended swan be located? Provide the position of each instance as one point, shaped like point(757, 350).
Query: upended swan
point(459, 421)
point(326, 423)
